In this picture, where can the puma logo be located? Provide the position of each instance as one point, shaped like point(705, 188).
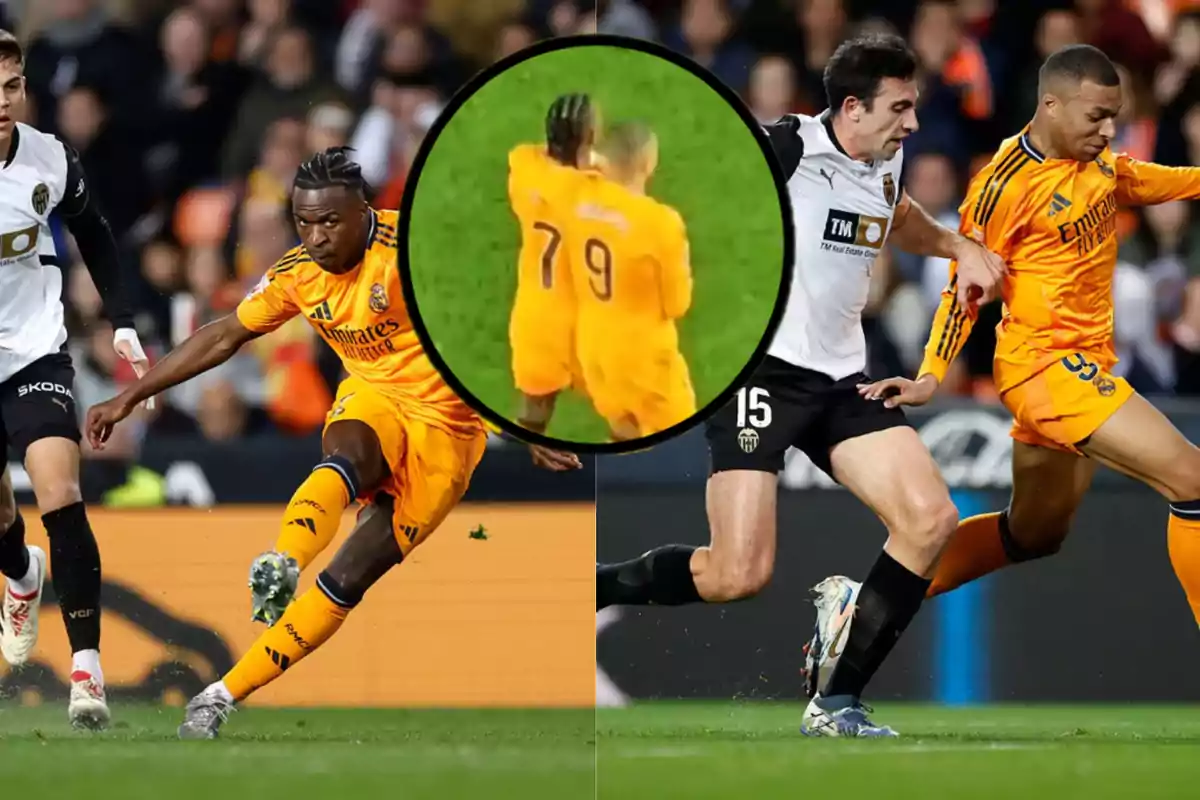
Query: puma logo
point(828, 176)
point(59, 401)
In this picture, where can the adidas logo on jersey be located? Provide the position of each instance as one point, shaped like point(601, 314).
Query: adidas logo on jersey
point(321, 313)
point(1058, 203)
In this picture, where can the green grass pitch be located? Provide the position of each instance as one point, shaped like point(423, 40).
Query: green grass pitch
point(699, 750)
point(463, 240)
point(301, 754)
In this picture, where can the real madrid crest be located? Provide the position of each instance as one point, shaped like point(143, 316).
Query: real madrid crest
point(1105, 169)
point(41, 198)
point(889, 189)
point(748, 440)
point(379, 298)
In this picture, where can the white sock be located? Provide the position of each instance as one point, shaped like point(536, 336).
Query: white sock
point(88, 661)
point(30, 582)
point(220, 691)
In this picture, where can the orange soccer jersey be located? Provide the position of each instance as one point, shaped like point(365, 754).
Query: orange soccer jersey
point(431, 440)
point(542, 327)
point(1054, 222)
point(630, 266)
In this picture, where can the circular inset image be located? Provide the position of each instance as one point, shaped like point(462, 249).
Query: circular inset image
point(597, 251)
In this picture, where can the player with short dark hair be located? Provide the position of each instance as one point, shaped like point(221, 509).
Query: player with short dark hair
point(1048, 203)
point(397, 438)
point(843, 169)
point(39, 175)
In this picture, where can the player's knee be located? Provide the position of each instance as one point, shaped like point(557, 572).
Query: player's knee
point(1031, 538)
point(1184, 484)
point(53, 495)
point(741, 580)
point(931, 521)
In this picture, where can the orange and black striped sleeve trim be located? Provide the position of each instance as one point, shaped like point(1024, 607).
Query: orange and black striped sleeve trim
point(952, 322)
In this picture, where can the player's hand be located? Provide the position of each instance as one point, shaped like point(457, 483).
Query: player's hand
point(980, 274)
point(129, 347)
point(554, 460)
point(900, 391)
point(103, 417)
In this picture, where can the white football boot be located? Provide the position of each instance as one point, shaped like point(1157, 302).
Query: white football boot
point(19, 614)
point(88, 707)
point(835, 600)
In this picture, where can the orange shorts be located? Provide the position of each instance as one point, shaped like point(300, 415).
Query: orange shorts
point(543, 357)
point(649, 401)
point(1065, 403)
point(430, 468)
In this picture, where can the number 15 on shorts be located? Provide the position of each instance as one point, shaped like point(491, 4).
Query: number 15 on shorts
point(753, 410)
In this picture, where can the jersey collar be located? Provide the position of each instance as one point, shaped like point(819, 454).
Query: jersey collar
point(1028, 147)
point(12, 146)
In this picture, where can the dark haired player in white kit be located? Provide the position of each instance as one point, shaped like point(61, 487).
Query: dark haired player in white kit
point(40, 175)
point(843, 169)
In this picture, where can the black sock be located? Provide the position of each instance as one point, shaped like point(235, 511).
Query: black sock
point(887, 602)
point(662, 577)
point(14, 555)
point(75, 571)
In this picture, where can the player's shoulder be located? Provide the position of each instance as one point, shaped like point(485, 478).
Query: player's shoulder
point(1005, 178)
point(387, 227)
point(291, 266)
point(40, 147)
point(527, 155)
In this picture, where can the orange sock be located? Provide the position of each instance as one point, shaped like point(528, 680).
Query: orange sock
point(304, 627)
point(974, 551)
point(1183, 543)
point(315, 512)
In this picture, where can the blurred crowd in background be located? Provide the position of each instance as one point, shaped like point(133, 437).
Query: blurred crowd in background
point(192, 115)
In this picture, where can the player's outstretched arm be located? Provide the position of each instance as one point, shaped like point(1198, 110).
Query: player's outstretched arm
point(1141, 183)
point(213, 344)
point(952, 325)
point(980, 271)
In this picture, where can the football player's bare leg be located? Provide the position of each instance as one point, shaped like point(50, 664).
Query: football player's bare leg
point(1139, 441)
point(353, 466)
point(536, 411)
point(53, 467)
point(736, 564)
point(1048, 486)
point(368, 553)
point(893, 473)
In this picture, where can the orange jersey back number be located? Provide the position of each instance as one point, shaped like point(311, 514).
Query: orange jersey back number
point(598, 257)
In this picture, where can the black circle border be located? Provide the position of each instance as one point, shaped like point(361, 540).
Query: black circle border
point(409, 196)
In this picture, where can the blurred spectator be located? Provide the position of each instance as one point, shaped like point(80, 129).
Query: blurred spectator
point(823, 25)
point(268, 18)
point(189, 116)
point(80, 46)
point(625, 18)
point(369, 32)
point(224, 20)
point(513, 37)
point(1055, 30)
point(773, 89)
point(115, 172)
point(288, 88)
point(1121, 33)
point(705, 33)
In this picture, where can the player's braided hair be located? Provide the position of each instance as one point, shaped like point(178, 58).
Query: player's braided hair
point(332, 167)
point(568, 125)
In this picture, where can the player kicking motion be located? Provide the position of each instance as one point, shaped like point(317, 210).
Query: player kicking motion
point(628, 257)
point(843, 173)
point(397, 437)
point(40, 175)
point(1047, 202)
point(541, 330)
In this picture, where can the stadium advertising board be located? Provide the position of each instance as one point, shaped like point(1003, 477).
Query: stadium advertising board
point(498, 615)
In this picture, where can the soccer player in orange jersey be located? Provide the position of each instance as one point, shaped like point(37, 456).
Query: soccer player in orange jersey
point(629, 261)
point(1047, 202)
point(541, 330)
point(397, 437)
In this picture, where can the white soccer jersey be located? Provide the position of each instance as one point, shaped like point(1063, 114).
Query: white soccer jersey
point(32, 183)
point(842, 212)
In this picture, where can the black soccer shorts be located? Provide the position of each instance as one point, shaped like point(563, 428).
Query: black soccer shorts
point(786, 406)
point(37, 403)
